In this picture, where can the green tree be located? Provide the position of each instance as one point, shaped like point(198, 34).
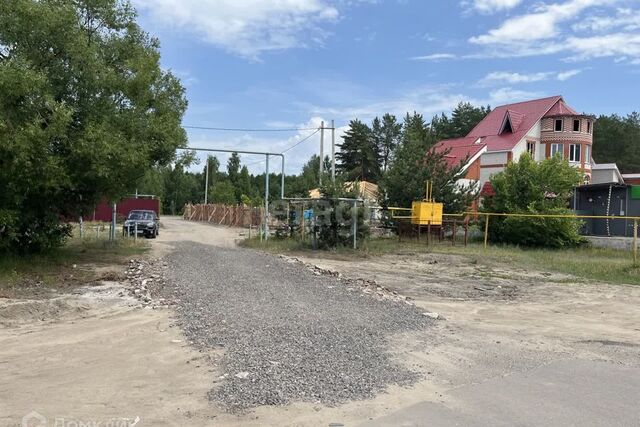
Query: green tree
point(214, 170)
point(358, 156)
point(415, 163)
point(529, 187)
point(617, 140)
point(309, 177)
point(386, 135)
point(223, 192)
point(243, 184)
point(85, 111)
point(233, 168)
point(180, 186)
point(463, 119)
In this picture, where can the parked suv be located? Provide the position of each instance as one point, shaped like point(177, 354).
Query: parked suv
point(145, 222)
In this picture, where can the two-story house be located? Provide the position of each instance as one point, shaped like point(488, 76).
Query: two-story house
point(542, 127)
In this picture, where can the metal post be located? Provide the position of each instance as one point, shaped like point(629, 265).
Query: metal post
point(321, 152)
point(302, 223)
point(486, 230)
point(635, 240)
point(453, 235)
point(113, 224)
point(81, 228)
point(206, 181)
point(354, 225)
point(266, 199)
point(135, 232)
point(333, 152)
point(282, 180)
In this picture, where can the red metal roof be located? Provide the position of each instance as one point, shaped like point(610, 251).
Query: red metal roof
point(523, 116)
point(460, 149)
point(561, 109)
point(516, 119)
point(487, 190)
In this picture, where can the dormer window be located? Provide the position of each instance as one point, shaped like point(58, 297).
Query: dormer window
point(558, 125)
point(576, 125)
point(507, 126)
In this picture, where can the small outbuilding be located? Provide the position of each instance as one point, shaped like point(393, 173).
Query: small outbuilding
point(608, 199)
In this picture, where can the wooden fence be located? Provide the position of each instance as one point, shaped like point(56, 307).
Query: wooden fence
point(231, 215)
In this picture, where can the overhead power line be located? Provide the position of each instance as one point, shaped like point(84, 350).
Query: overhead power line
point(301, 141)
point(290, 148)
point(247, 130)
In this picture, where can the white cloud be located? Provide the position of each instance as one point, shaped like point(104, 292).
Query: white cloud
point(428, 101)
point(566, 75)
point(617, 45)
point(564, 28)
point(514, 78)
point(624, 19)
point(434, 57)
point(245, 27)
point(491, 6)
point(505, 77)
point(294, 159)
point(540, 25)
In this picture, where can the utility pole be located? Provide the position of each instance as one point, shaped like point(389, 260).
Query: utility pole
point(333, 151)
point(266, 200)
point(206, 181)
point(321, 151)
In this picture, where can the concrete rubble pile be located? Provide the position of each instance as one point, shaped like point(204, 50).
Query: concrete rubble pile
point(366, 286)
point(145, 279)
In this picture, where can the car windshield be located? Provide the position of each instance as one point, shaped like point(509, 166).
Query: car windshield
point(145, 216)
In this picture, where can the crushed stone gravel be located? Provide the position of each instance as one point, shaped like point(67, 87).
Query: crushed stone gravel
point(288, 333)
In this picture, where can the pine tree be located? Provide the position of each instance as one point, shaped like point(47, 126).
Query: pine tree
point(463, 119)
point(233, 167)
point(243, 186)
point(214, 170)
point(386, 135)
point(416, 131)
point(358, 156)
point(415, 163)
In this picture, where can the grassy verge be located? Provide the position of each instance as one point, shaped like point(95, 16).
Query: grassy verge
point(599, 264)
point(74, 263)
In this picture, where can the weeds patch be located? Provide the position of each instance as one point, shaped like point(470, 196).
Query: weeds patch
point(586, 263)
point(75, 263)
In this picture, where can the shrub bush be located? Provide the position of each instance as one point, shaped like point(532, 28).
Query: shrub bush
point(529, 187)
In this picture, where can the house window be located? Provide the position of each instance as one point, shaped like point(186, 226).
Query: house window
point(557, 150)
point(531, 148)
point(574, 153)
point(588, 127)
point(587, 154)
point(576, 125)
point(558, 127)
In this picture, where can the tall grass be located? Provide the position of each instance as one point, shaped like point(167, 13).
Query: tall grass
point(586, 263)
point(75, 259)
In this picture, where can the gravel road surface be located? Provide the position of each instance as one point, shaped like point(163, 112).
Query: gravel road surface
point(287, 333)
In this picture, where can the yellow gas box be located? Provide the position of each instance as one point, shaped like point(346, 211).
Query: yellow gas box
point(425, 213)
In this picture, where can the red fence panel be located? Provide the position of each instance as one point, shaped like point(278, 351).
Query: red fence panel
point(102, 211)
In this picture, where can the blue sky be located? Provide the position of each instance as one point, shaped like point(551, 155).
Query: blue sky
point(293, 63)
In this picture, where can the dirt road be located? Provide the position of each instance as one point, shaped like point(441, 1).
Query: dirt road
point(515, 347)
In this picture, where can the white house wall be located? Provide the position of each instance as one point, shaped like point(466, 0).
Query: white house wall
point(494, 158)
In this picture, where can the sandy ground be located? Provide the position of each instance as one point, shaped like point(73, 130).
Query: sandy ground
point(96, 356)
